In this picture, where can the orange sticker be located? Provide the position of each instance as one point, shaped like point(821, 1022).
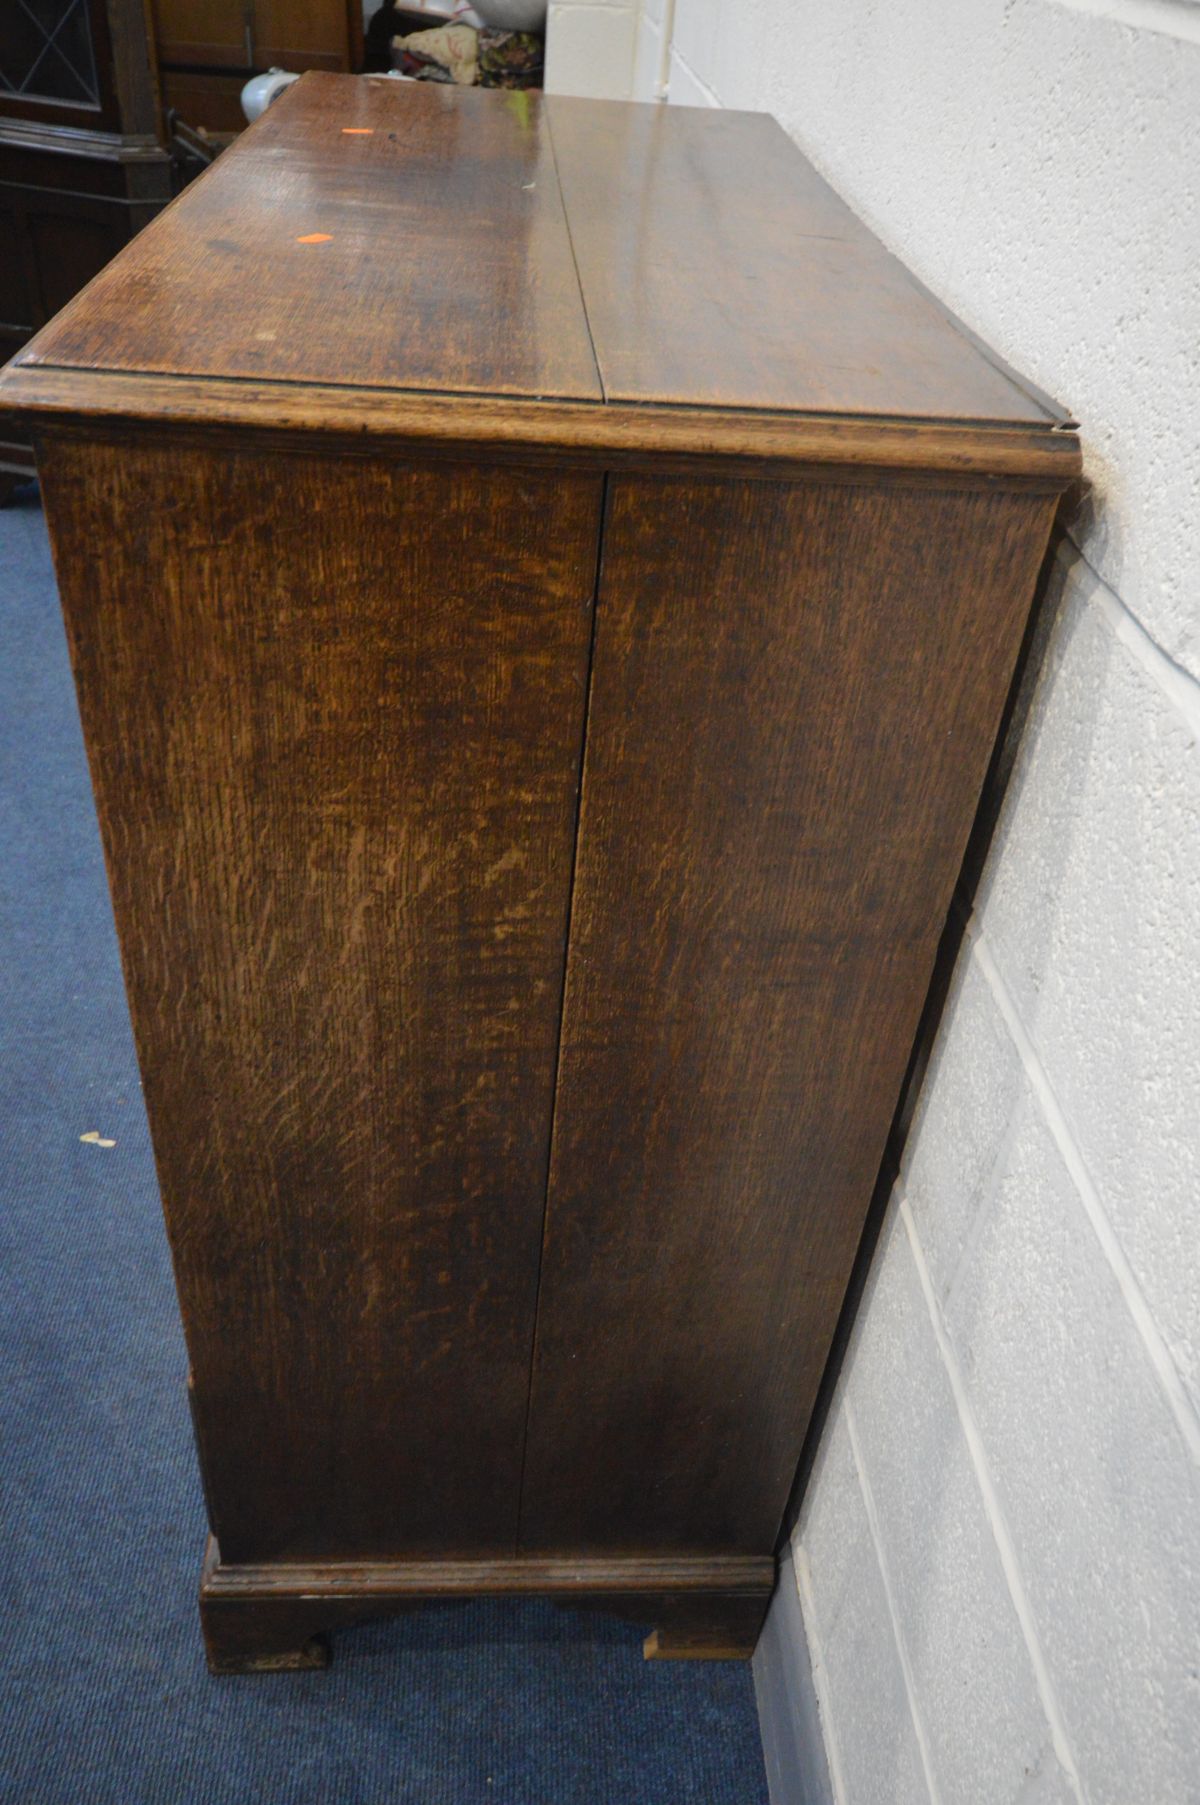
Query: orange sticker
point(357, 131)
point(315, 238)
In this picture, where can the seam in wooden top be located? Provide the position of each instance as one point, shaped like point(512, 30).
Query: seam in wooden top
point(678, 284)
point(587, 319)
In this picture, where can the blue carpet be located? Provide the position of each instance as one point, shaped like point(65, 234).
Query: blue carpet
point(104, 1695)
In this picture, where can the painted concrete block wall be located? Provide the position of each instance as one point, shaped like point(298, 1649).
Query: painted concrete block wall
point(590, 47)
point(998, 1561)
point(1017, 1423)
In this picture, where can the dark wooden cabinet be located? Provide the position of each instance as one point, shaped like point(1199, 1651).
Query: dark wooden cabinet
point(542, 585)
point(257, 34)
point(82, 163)
point(207, 49)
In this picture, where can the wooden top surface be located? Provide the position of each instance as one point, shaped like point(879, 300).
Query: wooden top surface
point(482, 244)
point(719, 269)
point(441, 257)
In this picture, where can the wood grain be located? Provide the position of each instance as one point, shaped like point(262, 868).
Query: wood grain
point(334, 716)
point(345, 604)
point(450, 228)
point(447, 263)
point(794, 693)
point(491, 1578)
point(354, 421)
point(719, 269)
point(276, 1617)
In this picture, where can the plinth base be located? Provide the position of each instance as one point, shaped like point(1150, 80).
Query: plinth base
point(278, 1618)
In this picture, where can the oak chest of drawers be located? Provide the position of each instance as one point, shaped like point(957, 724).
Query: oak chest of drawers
point(542, 584)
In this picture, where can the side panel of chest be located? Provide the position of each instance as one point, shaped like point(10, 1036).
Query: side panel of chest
point(334, 712)
point(795, 690)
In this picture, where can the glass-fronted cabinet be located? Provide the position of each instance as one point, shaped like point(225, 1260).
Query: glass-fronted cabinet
point(48, 56)
point(83, 161)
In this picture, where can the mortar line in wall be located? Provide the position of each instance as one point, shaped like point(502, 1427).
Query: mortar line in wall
point(802, 1575)
point(906, 1672)
point(1178, 685)
point(1167, 18)
point(1179, 1402)
point(977, 1226)
point(713, 98)
point(994, 1511)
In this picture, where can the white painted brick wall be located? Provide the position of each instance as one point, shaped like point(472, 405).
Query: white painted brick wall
point(998, 1560)
point(591, 47)
point(974, 1690)
point(855, 1651)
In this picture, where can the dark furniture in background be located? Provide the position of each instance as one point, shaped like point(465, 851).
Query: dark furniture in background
point(208, 48)
point(560, 584)
point(83, 163)
point(89, 90)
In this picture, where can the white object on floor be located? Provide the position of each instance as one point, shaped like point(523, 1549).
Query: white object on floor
point(261, 90)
